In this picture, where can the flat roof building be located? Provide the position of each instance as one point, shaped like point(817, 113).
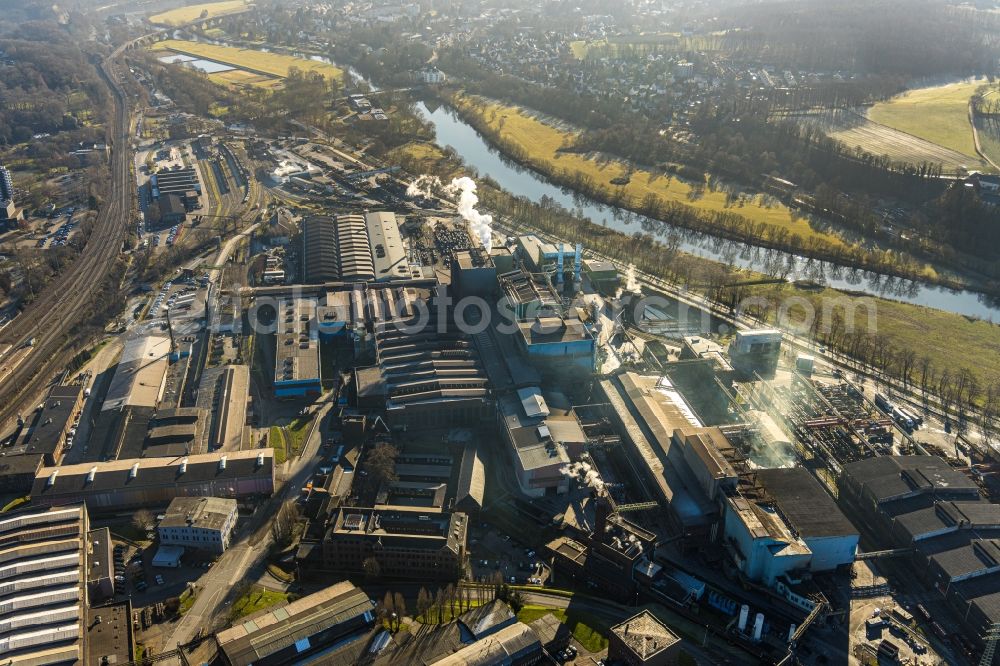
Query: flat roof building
point(924, 504)
point(202, 523)
point(538, 456)
point(313, 624)
point(406, 542)
point(48, 431)
point(786, 527)
point(387, 251)
point(297, 366)
point(136, 482)
point(139, 378)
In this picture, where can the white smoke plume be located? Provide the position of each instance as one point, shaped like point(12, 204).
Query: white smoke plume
point(631, 284)
point(480, 224)
point(424, 186)
point(584, 473)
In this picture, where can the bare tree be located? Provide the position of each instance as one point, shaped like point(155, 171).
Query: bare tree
point(283, 523)
point(439, 605)
point(449, 594)
point(143, 520)
point(424, 602)
point(399, 604)
point(371, 567)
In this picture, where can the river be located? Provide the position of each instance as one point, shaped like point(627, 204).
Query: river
point(487, 161)
point(478, 153)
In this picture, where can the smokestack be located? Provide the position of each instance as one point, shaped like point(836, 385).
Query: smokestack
point(758, 626)
point(744, 614)
point(791, 632)
point(577, 263)
point(559, 266)
point(602, 509)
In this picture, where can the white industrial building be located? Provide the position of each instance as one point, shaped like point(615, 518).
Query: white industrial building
point(203, 523)
point(139, 378)
point(388, 253)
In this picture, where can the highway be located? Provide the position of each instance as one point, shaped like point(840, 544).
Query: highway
point(52, 318)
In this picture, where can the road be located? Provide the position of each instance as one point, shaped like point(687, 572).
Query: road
point(51, 319)
point(246, 558)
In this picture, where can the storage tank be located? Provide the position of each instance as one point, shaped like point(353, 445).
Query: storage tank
point(758, 626)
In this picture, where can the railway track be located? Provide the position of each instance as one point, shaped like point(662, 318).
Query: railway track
point(54, 315)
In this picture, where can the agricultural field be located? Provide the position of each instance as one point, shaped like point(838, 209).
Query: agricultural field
point(857, 131)
point(254, 62)
point(183, 15)
point(939, 114)
point(542, 142)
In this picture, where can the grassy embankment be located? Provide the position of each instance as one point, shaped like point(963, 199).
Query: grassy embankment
point(543, 143)
point(183, 15)
point(939, 114)
point(587, 629)
point(257, 598)
point(253, 67)
point(276, 440)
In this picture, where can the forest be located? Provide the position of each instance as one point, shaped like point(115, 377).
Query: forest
point(47, 84)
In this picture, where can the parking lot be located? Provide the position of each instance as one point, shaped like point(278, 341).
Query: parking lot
point(517, 563)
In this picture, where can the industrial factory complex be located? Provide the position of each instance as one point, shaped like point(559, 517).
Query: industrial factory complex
point(406, 398)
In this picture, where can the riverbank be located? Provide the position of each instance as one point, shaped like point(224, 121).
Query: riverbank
point(900, 335)
point(546, 149)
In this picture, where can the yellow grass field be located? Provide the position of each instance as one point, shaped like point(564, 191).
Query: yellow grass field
point(543, 141)
point(271, 64)
point(939, 115)
point(240, 77)
point(183, 15)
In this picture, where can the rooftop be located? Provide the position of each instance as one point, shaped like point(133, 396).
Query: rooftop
point(297, 355)
point(533, 441)
point(889, 478)
point(808, 508)
point(263, 635)
point(497, 648)
point(708, 445)
point(416, 525)
point(644, 636)
point(138, 379)
point(387, 249)
point(84, 478)
point(209, 513)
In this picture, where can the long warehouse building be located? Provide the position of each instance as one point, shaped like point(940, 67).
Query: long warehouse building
point(44, 594)
point(143, 482)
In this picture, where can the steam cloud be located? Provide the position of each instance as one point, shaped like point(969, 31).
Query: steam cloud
point(480, 224)
point(585, 473)
point(424, 186)
point(630, 282)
